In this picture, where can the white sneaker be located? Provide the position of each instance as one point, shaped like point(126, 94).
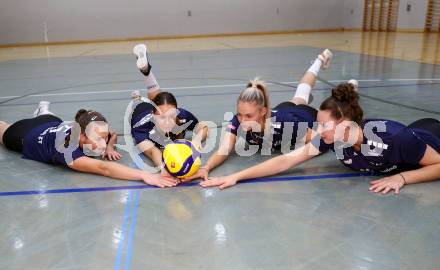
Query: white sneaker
point(326, 57)
point(140, 51)
point(355, 84)
point(43, 108)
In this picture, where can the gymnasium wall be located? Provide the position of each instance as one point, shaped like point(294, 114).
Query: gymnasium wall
point(414, 19)
point(30, 21)
point(352, 14)
point(27, 21)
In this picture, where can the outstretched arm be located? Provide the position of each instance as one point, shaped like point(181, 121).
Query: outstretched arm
point(118, 171)
point(269, 167)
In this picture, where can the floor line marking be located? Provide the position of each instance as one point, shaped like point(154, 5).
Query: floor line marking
point(139, 187)
point(125, 221)
point(131, 233)
point(200, 87)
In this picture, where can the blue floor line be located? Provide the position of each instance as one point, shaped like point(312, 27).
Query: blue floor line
point(131, 233)
point(138, 187)
point(123, 231)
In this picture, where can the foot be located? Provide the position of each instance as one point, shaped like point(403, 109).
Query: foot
point(43, 108)
point(355, 84)
point(140, 51)
point(326, 57)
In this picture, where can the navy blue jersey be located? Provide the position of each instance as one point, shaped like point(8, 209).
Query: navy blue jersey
point(397, 149)
point(41, 144)
point(280, 117)
point(143, 127)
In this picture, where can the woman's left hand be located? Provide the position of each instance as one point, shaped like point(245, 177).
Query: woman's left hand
point(111, 154)
point(386, 184)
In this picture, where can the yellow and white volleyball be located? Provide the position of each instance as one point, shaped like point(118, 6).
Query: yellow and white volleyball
point(181, 158)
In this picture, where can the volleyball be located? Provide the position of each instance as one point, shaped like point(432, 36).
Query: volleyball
point(181, 158)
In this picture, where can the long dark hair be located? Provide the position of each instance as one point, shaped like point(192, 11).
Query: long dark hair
point(84, 117)
point(164, 98)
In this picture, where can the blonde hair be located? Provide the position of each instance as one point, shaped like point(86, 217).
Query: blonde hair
point(257, 92)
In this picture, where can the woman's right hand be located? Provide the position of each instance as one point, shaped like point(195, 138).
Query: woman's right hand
point(220, 182)
point(159, 181)
point(201, 173)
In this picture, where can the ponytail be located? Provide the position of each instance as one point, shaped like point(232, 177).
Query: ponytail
point(257, 92)
point(84, 117)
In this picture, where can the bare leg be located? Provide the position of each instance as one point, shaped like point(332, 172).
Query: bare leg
point(3, 127)
point(42, 109)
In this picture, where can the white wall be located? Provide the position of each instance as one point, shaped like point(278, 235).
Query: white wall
point(414, 19)
point(25, 21)
point(22, 21)
point(353, 14)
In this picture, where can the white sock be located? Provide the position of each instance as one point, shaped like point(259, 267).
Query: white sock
point(151, 83)
point(315, 67)
point(303, 91)
point(43, 108)
point(44, 111)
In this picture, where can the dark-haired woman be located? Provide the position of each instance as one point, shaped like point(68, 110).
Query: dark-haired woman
point(110, 153)
point(286, 125)
point(46, 138)
point(159, 121)
point(405, 154)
